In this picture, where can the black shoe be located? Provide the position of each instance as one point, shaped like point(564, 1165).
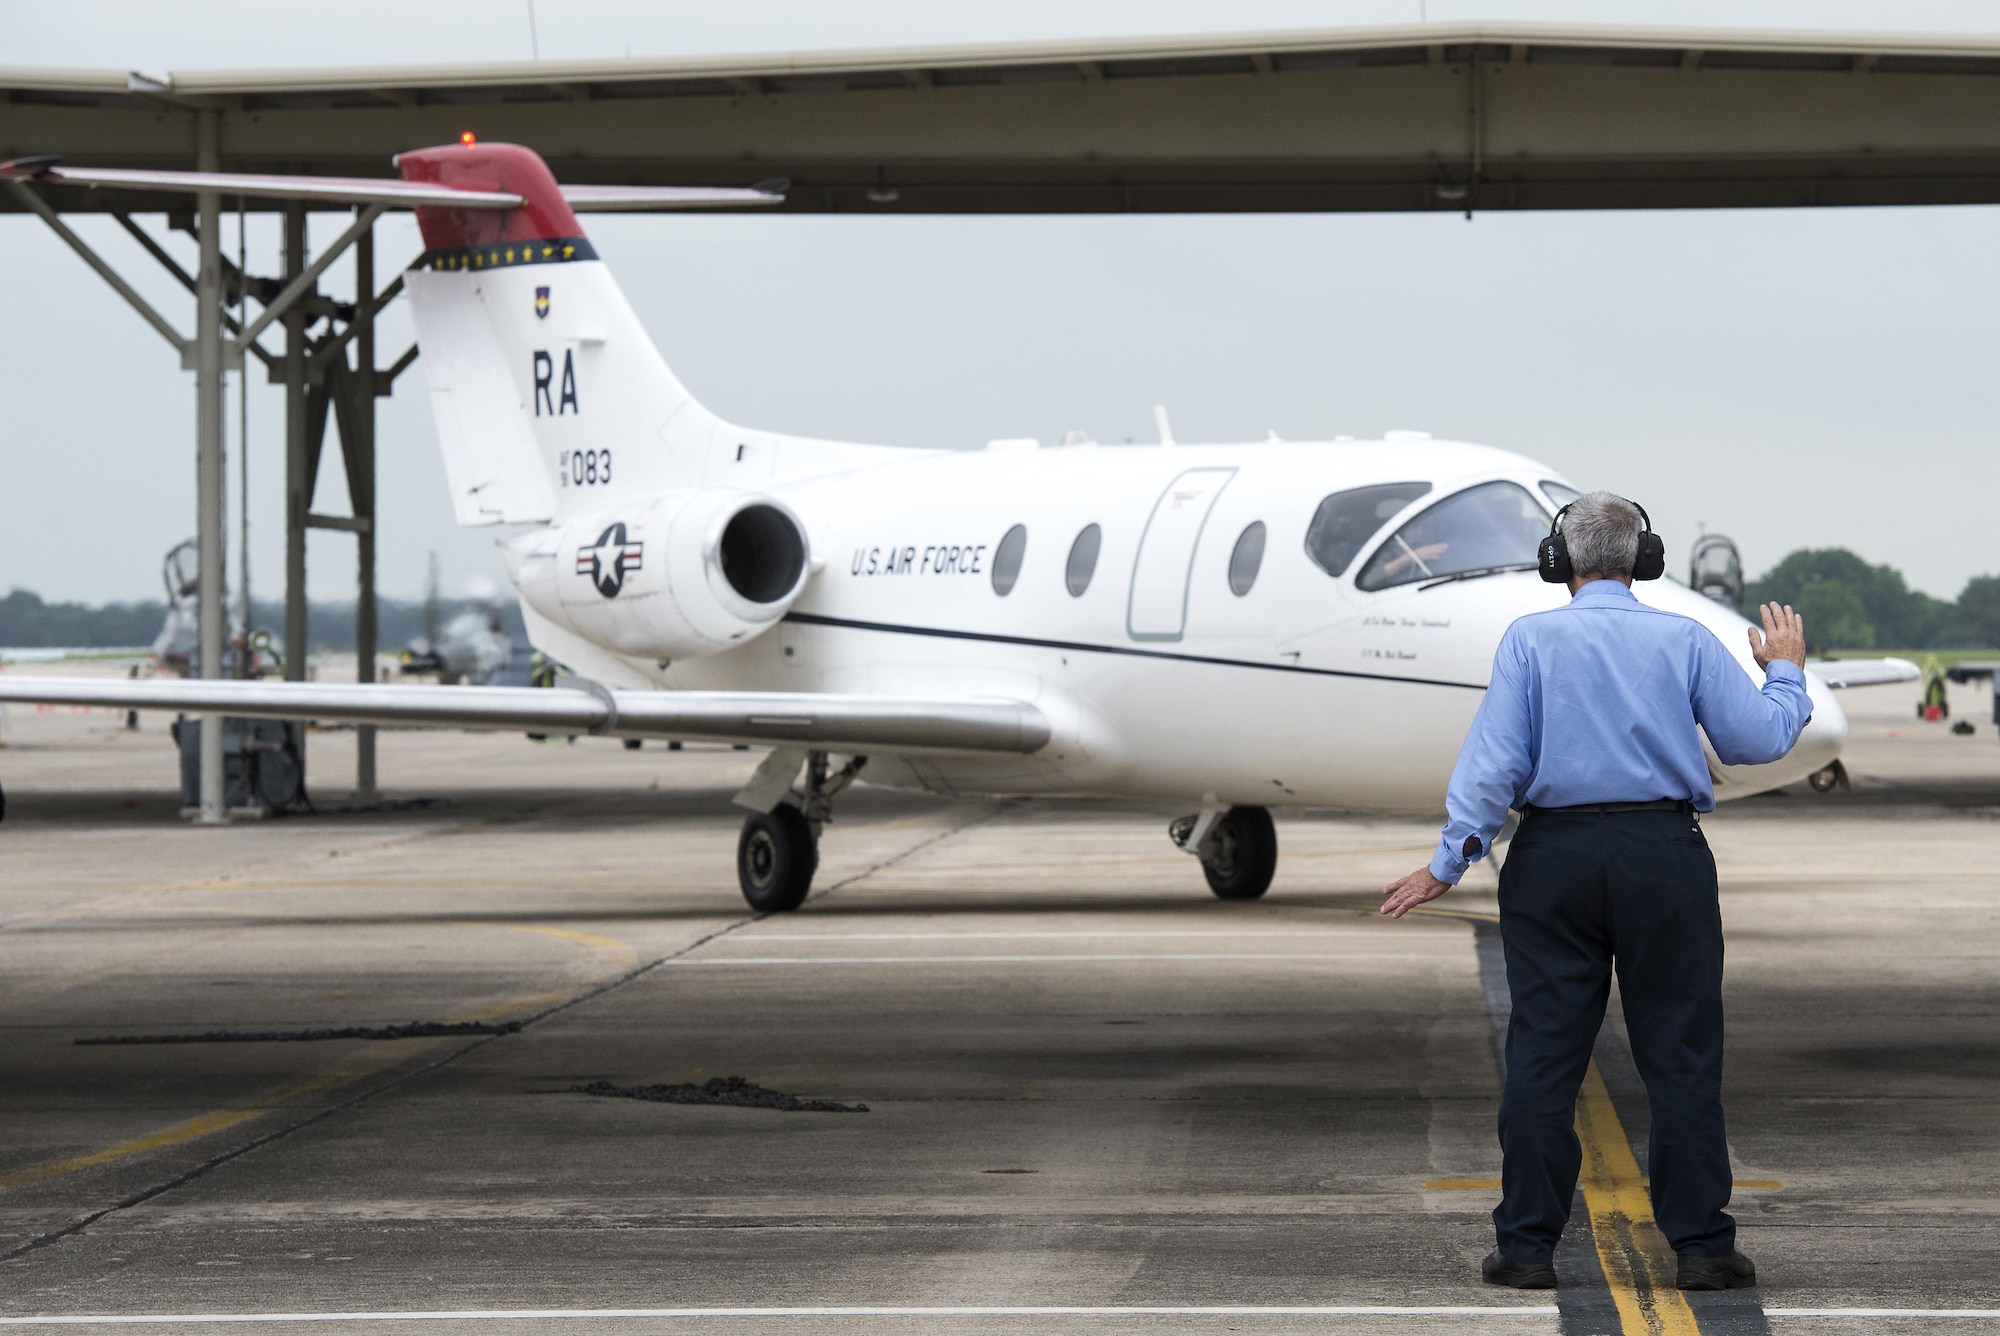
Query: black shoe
point(1733, 1271)
point(1499, 1269)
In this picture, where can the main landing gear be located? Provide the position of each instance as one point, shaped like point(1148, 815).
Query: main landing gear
point(1238, 849)
point(778, 851)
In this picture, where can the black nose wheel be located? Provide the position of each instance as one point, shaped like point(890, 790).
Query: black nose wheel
point(776, 857)
point(1240, 855)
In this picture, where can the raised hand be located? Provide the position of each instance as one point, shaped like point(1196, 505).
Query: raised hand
point(1783, 636)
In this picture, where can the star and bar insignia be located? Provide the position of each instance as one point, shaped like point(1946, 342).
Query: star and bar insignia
point(607, 561)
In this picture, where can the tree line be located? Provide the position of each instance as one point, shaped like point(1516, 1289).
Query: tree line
point(1849, 604)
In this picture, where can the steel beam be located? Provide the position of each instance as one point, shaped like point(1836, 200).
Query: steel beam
point(278, 305)
point(298, 483)
point(360, 451)
point(208, 459)
point(34, 203)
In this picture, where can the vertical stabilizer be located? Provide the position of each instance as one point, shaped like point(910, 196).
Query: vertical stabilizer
point(550, 398)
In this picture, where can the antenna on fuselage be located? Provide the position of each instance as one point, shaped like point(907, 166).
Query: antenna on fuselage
point(1160, 421)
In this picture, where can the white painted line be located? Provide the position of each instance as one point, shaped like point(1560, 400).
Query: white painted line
point(1262, 958)
point(1209, 934)
point(1883, 1313)
point(1135, 1310)
point(548, 1314)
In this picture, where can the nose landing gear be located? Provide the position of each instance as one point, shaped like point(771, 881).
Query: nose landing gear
point(778, 851)
point(1238, 849)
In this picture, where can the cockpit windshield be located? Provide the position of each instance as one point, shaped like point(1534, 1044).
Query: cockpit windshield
point(1559, 493)
point(1491, 525)
point(1345, 521)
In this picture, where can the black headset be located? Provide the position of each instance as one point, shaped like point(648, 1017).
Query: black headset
point(1552, 557)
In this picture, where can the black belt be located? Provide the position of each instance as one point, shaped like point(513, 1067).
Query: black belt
point(1681, 805)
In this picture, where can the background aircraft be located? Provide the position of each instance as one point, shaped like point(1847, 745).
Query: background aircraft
point(1225, 627)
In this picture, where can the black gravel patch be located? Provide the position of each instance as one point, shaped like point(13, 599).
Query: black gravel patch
point(414, 1030)
point(733, 1091)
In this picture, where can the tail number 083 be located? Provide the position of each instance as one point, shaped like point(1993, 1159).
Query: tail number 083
point(584, 468)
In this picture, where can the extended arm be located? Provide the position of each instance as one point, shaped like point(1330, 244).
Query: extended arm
point(1493, 767)
point(1747, 726)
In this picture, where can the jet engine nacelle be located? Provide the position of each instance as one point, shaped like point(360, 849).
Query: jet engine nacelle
point(676, 576)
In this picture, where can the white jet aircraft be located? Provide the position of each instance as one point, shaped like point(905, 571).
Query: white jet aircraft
point(1230, 628)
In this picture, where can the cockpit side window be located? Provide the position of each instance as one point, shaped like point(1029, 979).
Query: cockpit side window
point(1559, 493)
point(1345, 521)
point(1491, 525)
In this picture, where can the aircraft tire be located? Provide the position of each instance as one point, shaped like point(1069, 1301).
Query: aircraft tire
point(776, 857)
point(1243, 854)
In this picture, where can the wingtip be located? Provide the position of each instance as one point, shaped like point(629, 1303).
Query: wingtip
point(30, 167)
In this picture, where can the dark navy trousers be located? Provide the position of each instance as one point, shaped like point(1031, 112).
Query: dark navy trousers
point(1582, 894)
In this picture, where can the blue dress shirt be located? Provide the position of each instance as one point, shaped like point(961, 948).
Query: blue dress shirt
point(1597, 702)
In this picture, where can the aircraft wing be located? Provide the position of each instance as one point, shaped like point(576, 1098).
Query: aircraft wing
point(850, 723)
point(1864, 672)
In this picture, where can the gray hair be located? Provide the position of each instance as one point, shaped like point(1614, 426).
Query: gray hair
point(1602, 532)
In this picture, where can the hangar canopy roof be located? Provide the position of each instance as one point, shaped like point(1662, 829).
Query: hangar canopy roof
point(1436, 117)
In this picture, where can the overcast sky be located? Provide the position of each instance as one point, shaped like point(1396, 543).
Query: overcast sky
point(1789, 378)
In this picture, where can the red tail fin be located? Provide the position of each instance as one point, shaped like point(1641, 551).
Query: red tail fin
point(543, 216)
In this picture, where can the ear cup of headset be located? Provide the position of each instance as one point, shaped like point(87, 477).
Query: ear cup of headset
point(1552, 559)
point(1651, 563)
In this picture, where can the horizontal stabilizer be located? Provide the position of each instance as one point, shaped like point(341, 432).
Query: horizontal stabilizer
point(632, 199)
point(389, 191)
point(329, 189)
point(834, 722)
point(1864, 672)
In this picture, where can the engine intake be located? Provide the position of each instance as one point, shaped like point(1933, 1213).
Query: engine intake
point(679, 576)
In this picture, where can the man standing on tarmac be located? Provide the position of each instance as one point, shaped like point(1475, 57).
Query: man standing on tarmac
point(1589, 731)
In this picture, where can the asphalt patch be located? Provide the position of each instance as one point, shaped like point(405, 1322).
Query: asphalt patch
point(733, 1091)
point(414, 1030)
point(1968, 1058)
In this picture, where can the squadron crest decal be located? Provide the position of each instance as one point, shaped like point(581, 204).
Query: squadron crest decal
point(541, 303)
point(607, 561)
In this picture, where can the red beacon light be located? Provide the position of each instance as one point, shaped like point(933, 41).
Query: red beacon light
point(467, 139)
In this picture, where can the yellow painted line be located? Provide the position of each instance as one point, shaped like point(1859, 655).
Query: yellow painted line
point(370, 1060)
point(581, 938)
point(182, 1132)
point(1493, 1184)
point(1638, 1263)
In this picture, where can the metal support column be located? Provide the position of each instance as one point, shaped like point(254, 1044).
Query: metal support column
point(208, 456)
point(298, 477)
point(361, 485)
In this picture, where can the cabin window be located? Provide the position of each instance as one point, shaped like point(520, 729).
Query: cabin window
point(1495, 524)
point(1082, 560)
point(1245, 558)
point(1345, 521)
point(1007, 559)
point(1560, 493)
